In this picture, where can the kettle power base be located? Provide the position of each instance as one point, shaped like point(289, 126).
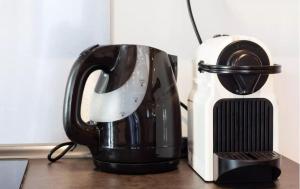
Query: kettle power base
point(136, 168)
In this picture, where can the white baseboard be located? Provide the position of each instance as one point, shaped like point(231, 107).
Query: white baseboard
point(38, 152)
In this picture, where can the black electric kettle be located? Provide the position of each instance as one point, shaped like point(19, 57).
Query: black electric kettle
point(135, 115)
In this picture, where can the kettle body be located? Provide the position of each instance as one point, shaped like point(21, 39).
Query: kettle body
point(135, 119)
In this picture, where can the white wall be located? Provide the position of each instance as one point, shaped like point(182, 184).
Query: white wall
point(40, 40)
point(166, 25)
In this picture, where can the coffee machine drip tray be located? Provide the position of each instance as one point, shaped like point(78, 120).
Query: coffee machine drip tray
point(246, 166)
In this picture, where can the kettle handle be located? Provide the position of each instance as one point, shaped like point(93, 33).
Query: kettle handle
point(76, 129)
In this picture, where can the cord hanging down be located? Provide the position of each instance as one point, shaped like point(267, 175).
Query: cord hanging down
point(184, 106)
point(193, 22)
point(70, 147)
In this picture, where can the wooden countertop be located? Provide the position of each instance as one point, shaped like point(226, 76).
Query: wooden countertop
point(79, 173)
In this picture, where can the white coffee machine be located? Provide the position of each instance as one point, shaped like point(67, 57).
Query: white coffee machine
point(232, 112)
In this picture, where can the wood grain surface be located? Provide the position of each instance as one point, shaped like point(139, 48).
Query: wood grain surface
point(80, 173)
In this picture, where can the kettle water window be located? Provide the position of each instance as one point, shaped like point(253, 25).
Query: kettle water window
point(89, 88)
point(103, 103)
point(123, 101)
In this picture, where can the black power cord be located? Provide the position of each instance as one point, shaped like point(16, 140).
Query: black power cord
point(184, 106)
point(70, 147)
point(193, 21)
